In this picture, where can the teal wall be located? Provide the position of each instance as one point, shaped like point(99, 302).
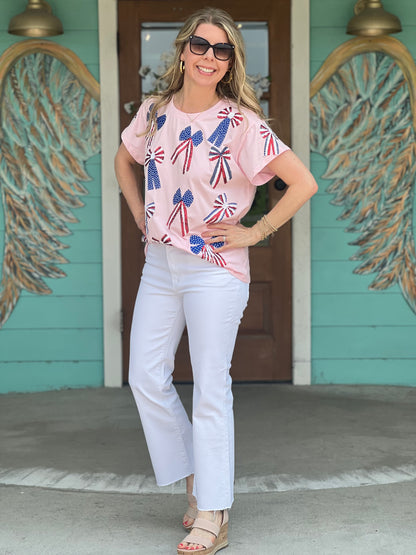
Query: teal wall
point(358, 336)
point(56, 340)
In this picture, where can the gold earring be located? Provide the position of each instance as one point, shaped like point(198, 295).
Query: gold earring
point(230, 78)
point(181, 66)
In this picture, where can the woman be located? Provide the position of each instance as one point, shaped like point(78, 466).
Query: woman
point(205, 148)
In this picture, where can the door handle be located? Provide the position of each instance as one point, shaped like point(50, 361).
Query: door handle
point(279, 184)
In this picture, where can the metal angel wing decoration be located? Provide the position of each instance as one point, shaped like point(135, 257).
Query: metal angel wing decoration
point(363, 120)
point(49, 127)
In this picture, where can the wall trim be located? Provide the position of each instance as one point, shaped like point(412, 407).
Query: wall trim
point(301, 225)
point(111, 230)
point(111, 234)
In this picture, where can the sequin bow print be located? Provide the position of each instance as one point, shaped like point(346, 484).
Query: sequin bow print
point(150, 161)
point(271, 145)
point(166, 240)
point(150, 210)
point(222, 168)
point(188, 141)
point(160, 120)
point(222, 209)
point(199, 247)
point(226, 116)
point(181, 204)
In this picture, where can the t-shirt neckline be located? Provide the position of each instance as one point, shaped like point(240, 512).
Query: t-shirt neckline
point(194, 115)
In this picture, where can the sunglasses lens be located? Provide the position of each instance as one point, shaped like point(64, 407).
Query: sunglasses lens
point(223, 53)
point(198, 45)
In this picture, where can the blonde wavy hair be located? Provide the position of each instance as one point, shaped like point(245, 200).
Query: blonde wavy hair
point(237, 89)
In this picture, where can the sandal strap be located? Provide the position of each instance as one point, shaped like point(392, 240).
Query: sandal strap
point(192, 512)
point(208, 525)
point(197, 540)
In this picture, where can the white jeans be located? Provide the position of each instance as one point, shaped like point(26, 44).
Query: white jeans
point(179, 288)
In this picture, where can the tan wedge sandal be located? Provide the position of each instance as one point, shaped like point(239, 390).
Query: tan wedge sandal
point(209, 548)
point(191, 512)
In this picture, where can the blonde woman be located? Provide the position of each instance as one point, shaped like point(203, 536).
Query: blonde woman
point(205, 147)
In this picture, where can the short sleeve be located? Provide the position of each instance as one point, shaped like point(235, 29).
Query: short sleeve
point(133, 136)
point(259, 146)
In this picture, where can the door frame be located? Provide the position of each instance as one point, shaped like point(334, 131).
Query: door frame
point(111, 225)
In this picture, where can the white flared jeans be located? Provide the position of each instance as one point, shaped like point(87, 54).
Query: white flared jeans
point(178, 289)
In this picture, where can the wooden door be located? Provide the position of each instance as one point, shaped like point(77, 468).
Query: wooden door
point(264, 345)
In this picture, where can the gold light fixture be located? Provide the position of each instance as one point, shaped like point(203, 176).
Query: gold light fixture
point(36, 21)
point(371, 20)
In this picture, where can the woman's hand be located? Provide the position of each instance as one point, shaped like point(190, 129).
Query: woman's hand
point(140, 220)
point(232, 235)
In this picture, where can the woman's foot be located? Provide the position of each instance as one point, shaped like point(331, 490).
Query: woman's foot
point(212, 534)
point(191, 511)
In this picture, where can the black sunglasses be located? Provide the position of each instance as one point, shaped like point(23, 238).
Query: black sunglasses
point(222, 50)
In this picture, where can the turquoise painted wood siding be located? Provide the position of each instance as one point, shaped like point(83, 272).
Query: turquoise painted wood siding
point(358, 336)
point(55, 341)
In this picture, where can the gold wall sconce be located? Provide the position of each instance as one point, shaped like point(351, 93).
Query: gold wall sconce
point(371, 20)
point(36, 21)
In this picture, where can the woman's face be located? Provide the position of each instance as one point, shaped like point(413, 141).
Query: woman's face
point(205, 70)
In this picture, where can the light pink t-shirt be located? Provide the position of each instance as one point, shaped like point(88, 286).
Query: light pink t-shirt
point(201, 169)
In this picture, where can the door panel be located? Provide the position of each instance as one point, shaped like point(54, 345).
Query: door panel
point(263, 350)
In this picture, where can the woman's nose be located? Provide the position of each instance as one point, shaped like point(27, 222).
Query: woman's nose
point(210, 53)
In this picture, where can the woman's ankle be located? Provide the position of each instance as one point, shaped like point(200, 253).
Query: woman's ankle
point(190, 483)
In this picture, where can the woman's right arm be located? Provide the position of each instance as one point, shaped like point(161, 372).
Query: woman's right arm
point(124, 164)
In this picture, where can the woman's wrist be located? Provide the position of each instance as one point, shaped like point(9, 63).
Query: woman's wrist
point(139, 218)
point(263, 228)
point(257, 233)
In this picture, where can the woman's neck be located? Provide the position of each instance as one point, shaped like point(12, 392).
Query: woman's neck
point(192, 101)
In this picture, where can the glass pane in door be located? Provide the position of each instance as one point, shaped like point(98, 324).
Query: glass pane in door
point(157, 51)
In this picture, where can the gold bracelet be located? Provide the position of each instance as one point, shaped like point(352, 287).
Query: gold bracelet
point(265, 227)
point(268, 228)
point(271, 226)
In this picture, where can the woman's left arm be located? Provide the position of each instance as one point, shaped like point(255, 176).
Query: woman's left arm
point(301, 187)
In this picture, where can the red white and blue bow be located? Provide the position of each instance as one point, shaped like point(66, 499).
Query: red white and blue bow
point(226, 116)
point(271, 144)
point(222, 167)
point(166, 240)
point(159, 123)
point(150, 160)
point(222, 209)
point(150, 210)
point(199, 247)
point(187, 146)
point(181, 204)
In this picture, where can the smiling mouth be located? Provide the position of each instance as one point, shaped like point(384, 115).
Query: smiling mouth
point(206, 70)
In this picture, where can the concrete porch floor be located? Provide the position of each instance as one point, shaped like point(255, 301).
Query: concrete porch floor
point(319, 470)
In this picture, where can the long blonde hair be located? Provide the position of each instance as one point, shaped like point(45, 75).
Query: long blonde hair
point(237, 89)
